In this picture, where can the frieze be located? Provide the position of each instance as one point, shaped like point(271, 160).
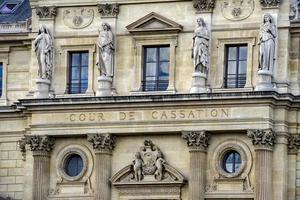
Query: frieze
point(77, 18)
point(262, 138)
point(237, 10)
point(46, 11)
point(108, 10)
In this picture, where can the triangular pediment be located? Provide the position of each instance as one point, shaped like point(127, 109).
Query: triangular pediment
point(153, 23)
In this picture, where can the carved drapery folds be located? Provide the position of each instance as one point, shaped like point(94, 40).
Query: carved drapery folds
point(108, 10)
point(262, 138)
point(270, 3)
point(46, 12)
point(293, 143)
point(204, 5)
point(39, 143)
point(196, 139)
point(102, 142)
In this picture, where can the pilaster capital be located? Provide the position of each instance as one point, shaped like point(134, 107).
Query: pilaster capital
point(102, 142)
point(196, 140)
point(293, 143)
point(108, 10)
point(204, 5)
point(46, 12)
point(270, 3)
point(262, 138)
point(40, 144)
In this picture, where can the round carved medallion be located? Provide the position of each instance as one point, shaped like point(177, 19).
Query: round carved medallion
point(78, 18)
point(237, 9)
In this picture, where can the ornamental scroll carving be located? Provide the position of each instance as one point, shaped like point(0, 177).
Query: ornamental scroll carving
point(149, 165)
point(293, 143)
point(270, 3)
point(196, 139)
point(102, 142)
point(40, 143)
point(204, 5)
point(108, 10)
point(262, 138)
point(46, 12)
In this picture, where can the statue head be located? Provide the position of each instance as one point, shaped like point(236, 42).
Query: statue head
point(200, 21)
point(267, 18)
point(42, 29)
point(105, 26)
point(137, 155)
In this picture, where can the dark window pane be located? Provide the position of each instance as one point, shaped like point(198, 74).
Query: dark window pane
point(151, 54)
point(164, 54)
point(232, 162)
point(85, 59)
point(74, 165)
point(164, 69)
point(75, 59)
point(243, 53)
point(84, 73)
point(75, 73)
point(232, 53)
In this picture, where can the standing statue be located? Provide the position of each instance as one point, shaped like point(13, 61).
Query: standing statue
point(106, 46)
point(200, 52)
point(159, 163)
point(137, 167)
point(43, 46)
point(267, 36)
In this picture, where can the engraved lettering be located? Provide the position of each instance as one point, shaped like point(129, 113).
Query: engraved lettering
point(82, 117)
point(214, 113)
point(72, 117)
point(173, 114)
point(100, 117)
point(154, 115)
point(225, 112)
point(182, 114)
point(164, 115)
point(92, 116)
point(191, 115)
point(131, 116)
point(122, 116)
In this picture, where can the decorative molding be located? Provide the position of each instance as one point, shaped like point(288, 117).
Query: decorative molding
point(108, 10)
point(46, 12)
point(196, 139)
point(22, 146)
point(293, 144)
point(78, 18)
point(154, 23)
point(204, 5)
point(149, 166)
point(102, 142)
point(270, 3)
point(39, 143)
point(262, 138)
point(237, 10)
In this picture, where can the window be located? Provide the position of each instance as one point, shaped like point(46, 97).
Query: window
point(232, 162)
point(78, 72)
point(73, 165)
point(156, 68)
point(8, 8)
point(1, 78)
point(236, 66)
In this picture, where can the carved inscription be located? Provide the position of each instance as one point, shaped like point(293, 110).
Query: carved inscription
point(154, 115)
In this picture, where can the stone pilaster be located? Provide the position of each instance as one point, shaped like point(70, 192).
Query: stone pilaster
point(197, 142)
point(41, 147)
point(103, 145)
point(263, 141)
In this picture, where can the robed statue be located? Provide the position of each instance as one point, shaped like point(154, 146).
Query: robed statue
point(200, 52)
point(106, 47)
point(267, 36)
point(43, 46)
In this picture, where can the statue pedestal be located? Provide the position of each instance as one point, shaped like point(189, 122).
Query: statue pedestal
point(264, 81)
point(199, 83)
point(43, 88)
point(104, 86)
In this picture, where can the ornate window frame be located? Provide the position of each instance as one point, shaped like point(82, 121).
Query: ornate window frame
point(64, 63)
point(4, 60)
point(221, 62)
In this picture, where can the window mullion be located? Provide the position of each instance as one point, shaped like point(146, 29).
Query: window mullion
point(157, 67)
point(237, 67)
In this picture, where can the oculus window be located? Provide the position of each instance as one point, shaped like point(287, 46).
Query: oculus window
point(78, 72)
point(156, 68)
point(73, 165)
point(232, 162)
point(236, 66)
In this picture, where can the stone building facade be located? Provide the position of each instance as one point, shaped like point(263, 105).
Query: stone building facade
point(150, 99)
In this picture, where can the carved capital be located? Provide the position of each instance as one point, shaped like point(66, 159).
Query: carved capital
point(39, 143)
point(293, 143)
point(204, 5)
point(102, 142)
point(262, 138)
point(270, 3)
point(108, 10)
point(196, 139)
point(46, 12)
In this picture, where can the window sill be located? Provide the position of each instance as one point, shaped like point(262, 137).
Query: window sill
point(89, 94)
point(152, 92)
point(225, 90)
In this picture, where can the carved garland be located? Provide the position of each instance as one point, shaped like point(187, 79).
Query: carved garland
point(46, 12)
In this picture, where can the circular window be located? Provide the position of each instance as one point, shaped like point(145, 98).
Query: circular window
point(232, 162)
point(73, 165)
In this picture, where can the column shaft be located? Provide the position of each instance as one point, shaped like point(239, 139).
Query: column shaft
point(41, 176)
point(103, 174)
point(263, 169)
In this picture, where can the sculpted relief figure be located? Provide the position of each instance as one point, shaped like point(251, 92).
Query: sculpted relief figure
point(201, 47)
point(106, 46)
point(43, 46)
point(137, 167)
point(267, 36)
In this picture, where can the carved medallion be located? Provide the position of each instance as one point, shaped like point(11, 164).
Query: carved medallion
point(78, 17)
point(237, 9)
